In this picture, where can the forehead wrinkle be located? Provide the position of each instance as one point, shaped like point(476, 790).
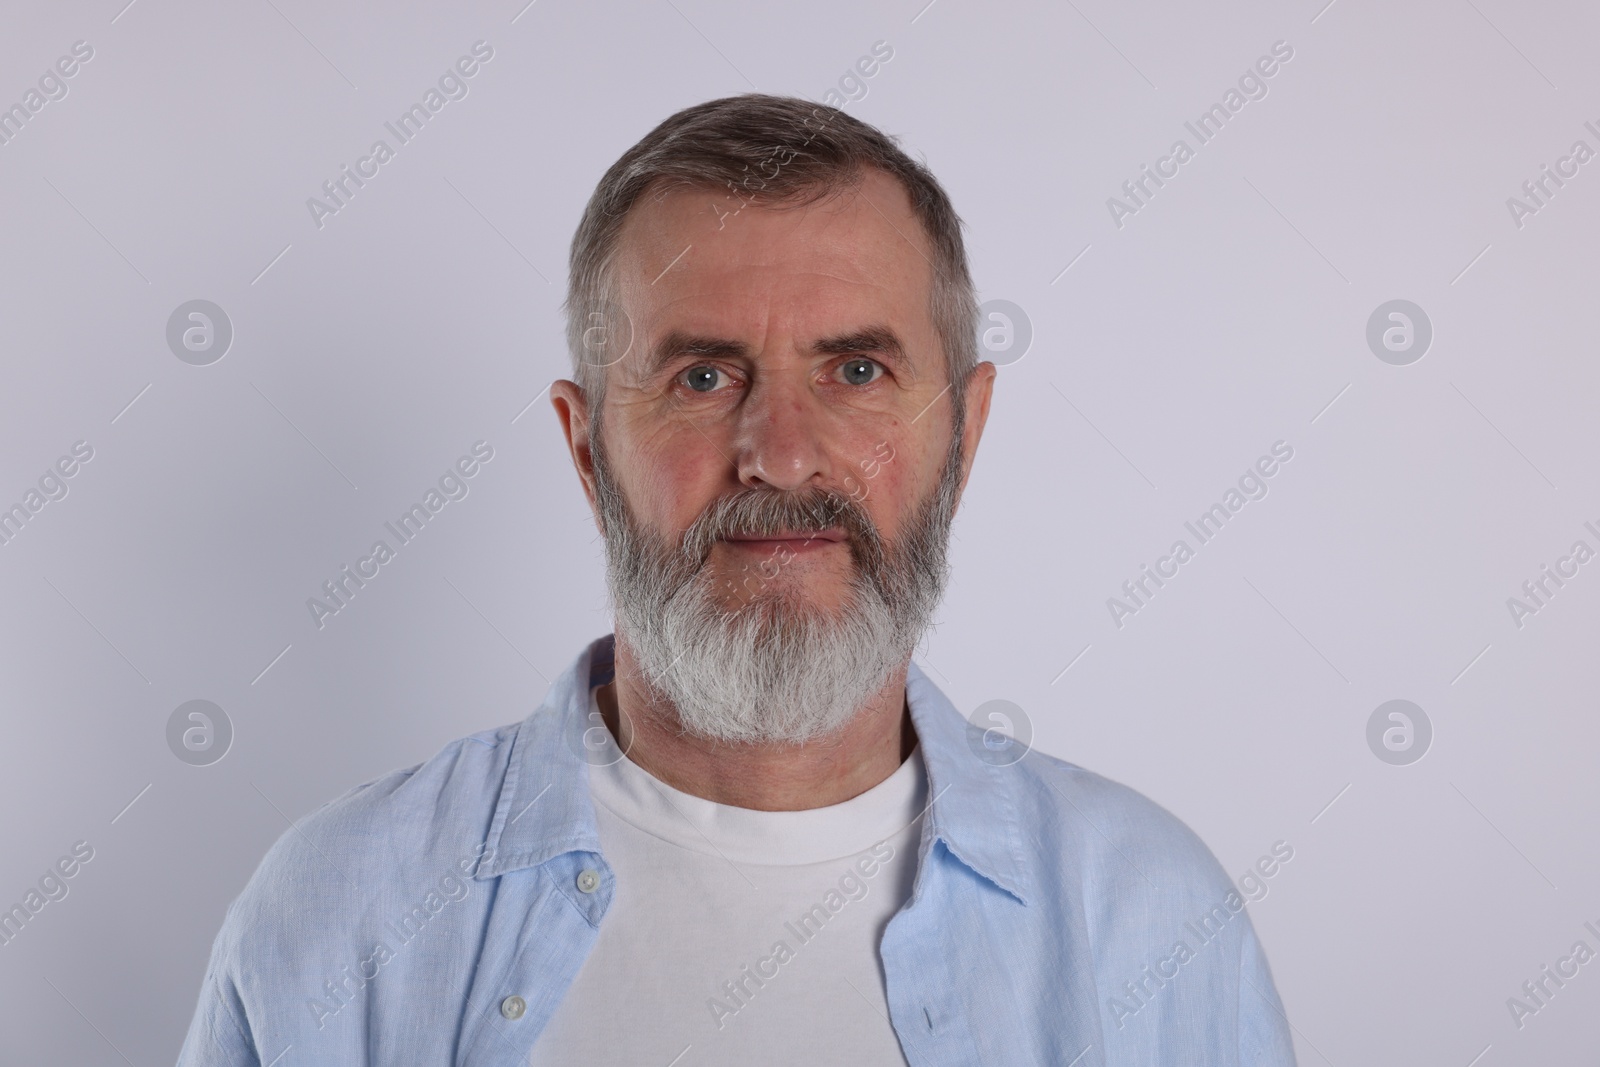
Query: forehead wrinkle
point(653, 234)
point(651, 237)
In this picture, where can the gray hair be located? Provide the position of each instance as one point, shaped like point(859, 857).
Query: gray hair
point(772, 149)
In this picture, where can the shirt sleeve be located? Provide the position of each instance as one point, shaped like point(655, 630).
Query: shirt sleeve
point(1264, 1036)
point(219, 1034)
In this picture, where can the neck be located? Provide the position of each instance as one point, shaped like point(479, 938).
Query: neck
point(766, 777)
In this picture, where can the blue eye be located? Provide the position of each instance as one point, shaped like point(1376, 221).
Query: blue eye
point(860, 371)
point(702, 379)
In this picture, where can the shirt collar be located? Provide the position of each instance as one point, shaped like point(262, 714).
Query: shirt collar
point(975, 799)
point(545, 810)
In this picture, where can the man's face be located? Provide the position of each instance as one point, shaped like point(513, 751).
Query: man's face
point(788, 349)
point(779, 467)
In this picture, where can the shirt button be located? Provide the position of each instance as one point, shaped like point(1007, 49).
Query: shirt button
point(588, 881)
point(513, 1007)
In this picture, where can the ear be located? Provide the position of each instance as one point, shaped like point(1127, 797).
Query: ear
point(980, 390)
point(572, 410)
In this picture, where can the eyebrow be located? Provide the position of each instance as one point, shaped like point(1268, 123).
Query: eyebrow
point(879, 341)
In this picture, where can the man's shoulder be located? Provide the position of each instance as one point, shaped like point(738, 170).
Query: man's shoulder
point(1132, 895)
point(1129, 837)
point(379, 839)
point(410, 805)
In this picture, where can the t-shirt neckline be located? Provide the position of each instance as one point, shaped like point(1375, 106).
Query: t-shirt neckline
point(746, 835)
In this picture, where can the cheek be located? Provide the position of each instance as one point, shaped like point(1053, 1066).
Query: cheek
point(900, 483)
point(891, 500)
point(676, 475)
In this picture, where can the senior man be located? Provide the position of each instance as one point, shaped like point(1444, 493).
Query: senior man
point(746, 828)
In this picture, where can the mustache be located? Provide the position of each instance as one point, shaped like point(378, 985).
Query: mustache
point(767, 512)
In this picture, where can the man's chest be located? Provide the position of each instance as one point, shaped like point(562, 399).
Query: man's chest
point(719, 962)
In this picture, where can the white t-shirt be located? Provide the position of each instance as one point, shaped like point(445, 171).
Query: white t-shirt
point(738, 936)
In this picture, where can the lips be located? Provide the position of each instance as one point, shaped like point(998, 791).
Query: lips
point(810, 535)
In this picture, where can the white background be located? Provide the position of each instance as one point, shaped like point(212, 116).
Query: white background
point(1228, 314)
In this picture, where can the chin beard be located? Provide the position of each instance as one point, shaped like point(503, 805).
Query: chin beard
point(774, 668)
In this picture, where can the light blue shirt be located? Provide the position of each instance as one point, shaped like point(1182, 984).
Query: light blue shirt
point(438, 914)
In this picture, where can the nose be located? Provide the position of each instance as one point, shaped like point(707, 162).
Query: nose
point(780, 441)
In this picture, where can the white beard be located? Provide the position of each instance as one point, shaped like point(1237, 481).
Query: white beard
point(770, 671)
point(775, 669)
